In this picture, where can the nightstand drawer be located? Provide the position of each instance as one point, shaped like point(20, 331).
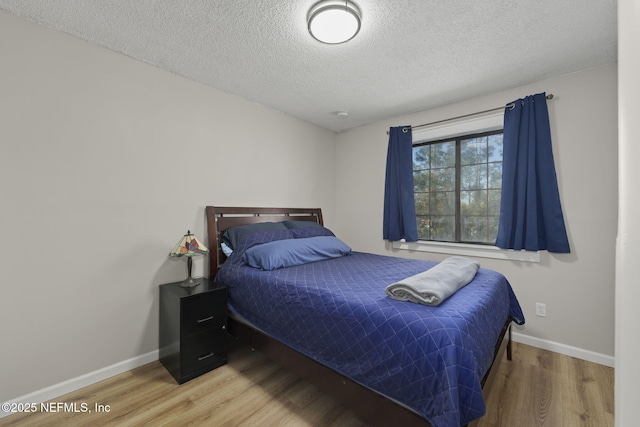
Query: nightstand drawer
point(204, 312)
point(203, 349)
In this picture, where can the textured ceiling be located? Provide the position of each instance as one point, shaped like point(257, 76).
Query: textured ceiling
point(410, 55)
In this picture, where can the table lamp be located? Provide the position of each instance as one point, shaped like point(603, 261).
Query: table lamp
point(189, 246)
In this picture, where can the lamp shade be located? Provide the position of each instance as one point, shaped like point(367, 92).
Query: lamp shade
point(189, 246)
point(334, 22)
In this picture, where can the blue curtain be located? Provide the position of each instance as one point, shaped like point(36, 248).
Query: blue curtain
point(399, 208)
point(530, 211)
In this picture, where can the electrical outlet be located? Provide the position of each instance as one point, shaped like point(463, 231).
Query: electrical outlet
point(541, 309)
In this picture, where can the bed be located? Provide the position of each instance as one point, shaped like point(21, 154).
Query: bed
point(330, 321)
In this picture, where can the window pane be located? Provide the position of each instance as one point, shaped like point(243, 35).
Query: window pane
point(494, 203)
point(443, 203)
point(421, 157)
point(443, 155)
point(495, 147)
point(421, 180)
point(473, 177)
point(473, 151)
point(495, 175)
point(424, 228)
point(422, 203)
point(443, 228)
point(473, 229)
point(443, 179)
point(473, 203)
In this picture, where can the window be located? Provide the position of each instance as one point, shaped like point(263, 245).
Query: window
point(451, 131)
point(457, 184)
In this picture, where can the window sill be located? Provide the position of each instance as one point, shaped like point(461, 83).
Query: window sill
point(465, 249)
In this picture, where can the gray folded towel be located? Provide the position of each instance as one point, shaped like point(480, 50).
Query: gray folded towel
point(435, 285)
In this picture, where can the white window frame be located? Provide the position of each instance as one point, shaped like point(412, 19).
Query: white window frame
point(477, 124)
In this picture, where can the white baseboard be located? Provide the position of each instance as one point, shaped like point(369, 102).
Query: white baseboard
point(73, 384)
point(567, 350)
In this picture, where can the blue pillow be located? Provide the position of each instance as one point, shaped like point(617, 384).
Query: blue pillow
point(288, 253)
point(261, 237)
point(299, 223)
point(233, 235)
point(304, 232)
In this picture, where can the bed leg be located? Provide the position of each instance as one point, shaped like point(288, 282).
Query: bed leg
point(509, 345)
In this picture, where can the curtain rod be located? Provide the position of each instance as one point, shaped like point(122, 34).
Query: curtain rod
point(509, 106)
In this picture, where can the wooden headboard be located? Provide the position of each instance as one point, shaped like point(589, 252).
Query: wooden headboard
point(221, 218)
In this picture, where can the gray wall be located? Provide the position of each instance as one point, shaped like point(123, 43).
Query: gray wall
point(105, 163)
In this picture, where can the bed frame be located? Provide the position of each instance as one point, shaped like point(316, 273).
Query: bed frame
point(372, 407)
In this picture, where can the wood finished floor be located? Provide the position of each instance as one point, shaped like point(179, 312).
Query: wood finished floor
point(537, 388)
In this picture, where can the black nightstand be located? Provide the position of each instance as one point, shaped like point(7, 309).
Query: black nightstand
point(193, 328)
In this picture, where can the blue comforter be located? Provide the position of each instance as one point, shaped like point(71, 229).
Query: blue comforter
point(431, 359)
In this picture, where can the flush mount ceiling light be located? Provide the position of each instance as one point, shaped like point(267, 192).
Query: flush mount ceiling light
point(334, 22)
